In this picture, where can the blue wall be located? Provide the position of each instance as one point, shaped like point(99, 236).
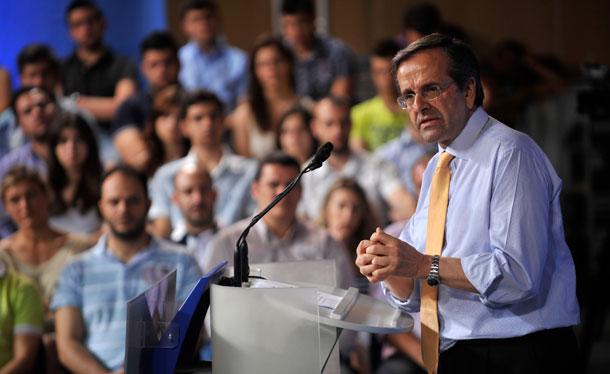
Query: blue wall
point(28, 21)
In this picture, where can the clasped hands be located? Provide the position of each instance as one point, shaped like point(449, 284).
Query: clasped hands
point(384, 256)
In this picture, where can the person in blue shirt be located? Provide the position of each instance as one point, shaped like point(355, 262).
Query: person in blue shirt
point(507, 298)
point(90, 299)
point(207, 61)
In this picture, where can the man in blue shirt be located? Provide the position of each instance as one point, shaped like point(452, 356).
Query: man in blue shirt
point(207, 62)
point(90, 300)
point(507, 297)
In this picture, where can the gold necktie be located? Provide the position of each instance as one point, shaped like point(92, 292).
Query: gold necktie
point(437, 213)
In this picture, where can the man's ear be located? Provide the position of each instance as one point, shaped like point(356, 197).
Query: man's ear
point(470, 92)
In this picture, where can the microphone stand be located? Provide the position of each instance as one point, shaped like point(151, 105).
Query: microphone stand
point(240, 260)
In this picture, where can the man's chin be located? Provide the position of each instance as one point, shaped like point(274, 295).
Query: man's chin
point(128, 234)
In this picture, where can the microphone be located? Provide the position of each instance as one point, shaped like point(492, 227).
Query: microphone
point(321, 155)
point(240, 258)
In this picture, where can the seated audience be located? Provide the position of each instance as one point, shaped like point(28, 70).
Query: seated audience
point(35, 110)
point(35, 249)
point(91, 297)
point(202, 122)
point(324, 65)
point(97, 79)
point(160, 66)
point(195, 196)
point(37, 67)
point(270, 94)
point(207, 61)
point(380, 119)
point(21, 320)
point(294, 135)
point(161, 140)
point(280, 235)
point(75, 171)
point(404, 151)
point(379, 179)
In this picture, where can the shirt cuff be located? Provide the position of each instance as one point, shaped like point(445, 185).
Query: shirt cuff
point(411, 304)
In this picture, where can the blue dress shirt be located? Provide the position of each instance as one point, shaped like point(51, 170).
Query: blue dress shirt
point(504, 223)
point(222, 71)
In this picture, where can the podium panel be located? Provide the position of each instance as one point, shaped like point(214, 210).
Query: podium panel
point(264, 330)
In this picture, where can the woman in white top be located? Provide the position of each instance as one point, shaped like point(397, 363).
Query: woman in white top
point(75, 172)
point(270, 93)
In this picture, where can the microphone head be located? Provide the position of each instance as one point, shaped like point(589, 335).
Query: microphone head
point(321, 155)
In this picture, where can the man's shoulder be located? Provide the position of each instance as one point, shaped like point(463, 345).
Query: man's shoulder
point(333, 45)
point(238, 163)
point(231, 232)
point(370, 106)
point(506, 138)
point(167, 171)
point(16, 156)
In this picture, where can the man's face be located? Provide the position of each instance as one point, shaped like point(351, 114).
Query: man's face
point(86, 27)
point(442, 119)
point(39, 74)
point(203, 124)
point(381, 72)
point(35, 112)
point(298, 29)
point(332, 123)
point(195, 196)
point(26, 203)
point(273, 180)
point(123, 205)
point(160, 67)
point(201, 25)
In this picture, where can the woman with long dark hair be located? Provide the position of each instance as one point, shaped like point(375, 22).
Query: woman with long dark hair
point(271, 92)
point(75, 172)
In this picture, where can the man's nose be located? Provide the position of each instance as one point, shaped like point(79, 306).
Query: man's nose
point(419, 103)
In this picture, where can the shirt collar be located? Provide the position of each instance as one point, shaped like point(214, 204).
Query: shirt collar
point(180, 232)
point(267, 236)
point(102, 249)
point(461, 145)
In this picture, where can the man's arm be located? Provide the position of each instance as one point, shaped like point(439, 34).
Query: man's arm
point(104, 108)
point(70, 334)
point(402, 204)
point(25, 349)
point(131, 146)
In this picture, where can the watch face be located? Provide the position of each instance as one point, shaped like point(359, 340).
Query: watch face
point(434, 282)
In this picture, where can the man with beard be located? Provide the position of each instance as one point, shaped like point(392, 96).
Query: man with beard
point(379, 179)
point(195, 197)
point(35, 110)
point(97, 79)
point(91, 297)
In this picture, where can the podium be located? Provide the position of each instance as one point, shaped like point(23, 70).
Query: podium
point(284, 330)
point(254, 330)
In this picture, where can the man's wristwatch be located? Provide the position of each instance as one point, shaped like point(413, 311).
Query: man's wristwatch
point(433, 278)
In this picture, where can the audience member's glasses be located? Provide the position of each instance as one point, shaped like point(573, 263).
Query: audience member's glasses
point(429, 93)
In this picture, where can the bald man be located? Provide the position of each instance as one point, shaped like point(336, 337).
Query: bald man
point(195, 196)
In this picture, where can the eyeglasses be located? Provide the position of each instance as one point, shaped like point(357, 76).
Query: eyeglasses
point(429, 93)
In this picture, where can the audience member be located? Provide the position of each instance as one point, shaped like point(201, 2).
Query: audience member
point(91, 297)
point(21, 320)
point(280, 235)
point(208, 62)
point(75, 171)
point(5, 89)
point(404, 152)
point(378, 120)
point(346, 214)
point(270, 94)
point(161, 140)
point(35, 110)
point(201, 121)
point(195, 196)
point(37, 67)
point(94, 77)
point(294, 135)
point(324, 65)
point(380, 180)
point(35, 249)
point(159, 65)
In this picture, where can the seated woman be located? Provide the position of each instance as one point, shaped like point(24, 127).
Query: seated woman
point(75, 171)
point(35, 250)
point(161, 140)
point(294, 134)
point(270, 93)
